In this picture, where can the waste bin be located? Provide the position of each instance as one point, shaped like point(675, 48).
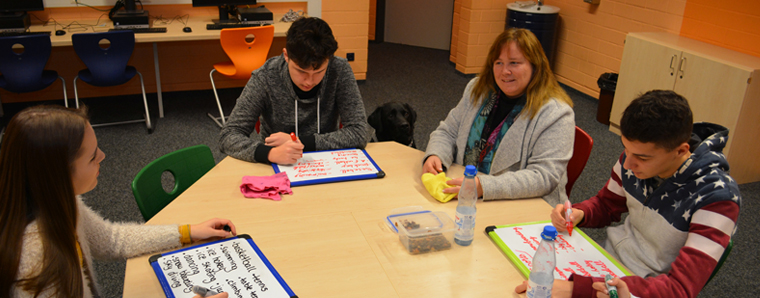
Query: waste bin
point(539, 19)
point(607, 83)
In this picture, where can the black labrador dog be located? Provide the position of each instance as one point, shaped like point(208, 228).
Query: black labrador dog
point(394, 121)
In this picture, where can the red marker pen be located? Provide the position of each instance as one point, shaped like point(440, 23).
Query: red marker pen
point(293, 137)
point(568, 221)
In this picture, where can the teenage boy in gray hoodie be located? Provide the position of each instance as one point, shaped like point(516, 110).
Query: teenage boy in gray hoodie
point(306, 91)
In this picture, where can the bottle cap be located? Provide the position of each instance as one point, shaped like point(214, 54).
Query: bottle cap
point(470, 171)
point(549, 233)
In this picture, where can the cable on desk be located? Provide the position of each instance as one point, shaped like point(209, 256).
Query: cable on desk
point(160, 20)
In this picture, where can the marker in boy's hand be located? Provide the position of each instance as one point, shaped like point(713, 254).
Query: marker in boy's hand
point(612, 287)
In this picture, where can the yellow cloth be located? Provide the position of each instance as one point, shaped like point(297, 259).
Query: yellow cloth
point(435, 184)
point(184, 231)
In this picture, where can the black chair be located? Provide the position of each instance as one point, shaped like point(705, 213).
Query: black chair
point(23, 68)
point(107, 66)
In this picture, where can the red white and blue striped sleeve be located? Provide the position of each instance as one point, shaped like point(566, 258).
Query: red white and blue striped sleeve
point(709, 234)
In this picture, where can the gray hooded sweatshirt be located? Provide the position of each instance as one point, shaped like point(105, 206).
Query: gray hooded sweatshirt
point(269, 95)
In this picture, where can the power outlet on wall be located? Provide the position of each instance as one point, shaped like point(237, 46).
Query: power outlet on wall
point(350, 56)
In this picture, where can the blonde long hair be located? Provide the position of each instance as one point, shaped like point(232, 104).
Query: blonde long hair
point(542, 87)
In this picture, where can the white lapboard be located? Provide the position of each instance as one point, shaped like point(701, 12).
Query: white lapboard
point(331, 166)
point(233, 265)
point(577, 254)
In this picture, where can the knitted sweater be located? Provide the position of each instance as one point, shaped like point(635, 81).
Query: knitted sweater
point(675, 234)
point(99, 239)
point(269, 96)
point(530, 162)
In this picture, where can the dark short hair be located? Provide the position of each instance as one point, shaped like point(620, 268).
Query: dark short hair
point(661, 117)
point(310, 42)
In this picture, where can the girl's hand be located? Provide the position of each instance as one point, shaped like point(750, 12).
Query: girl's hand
point(211, 228)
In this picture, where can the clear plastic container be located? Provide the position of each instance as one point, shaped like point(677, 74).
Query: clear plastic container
point(423, 231)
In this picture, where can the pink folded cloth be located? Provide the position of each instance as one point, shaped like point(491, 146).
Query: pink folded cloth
point(268, 187)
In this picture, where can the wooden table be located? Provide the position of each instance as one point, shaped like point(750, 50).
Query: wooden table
point(330, 240)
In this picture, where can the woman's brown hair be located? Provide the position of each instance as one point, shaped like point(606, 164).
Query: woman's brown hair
point(542, 87)
point(38, 148)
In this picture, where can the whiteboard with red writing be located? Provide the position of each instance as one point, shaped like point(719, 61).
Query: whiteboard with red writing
point(578, 254)
point(331, 166)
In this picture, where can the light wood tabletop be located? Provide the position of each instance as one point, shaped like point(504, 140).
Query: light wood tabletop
point(330, 240)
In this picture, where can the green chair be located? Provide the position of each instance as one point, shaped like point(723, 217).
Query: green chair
point(186, 165)
point(722, 259)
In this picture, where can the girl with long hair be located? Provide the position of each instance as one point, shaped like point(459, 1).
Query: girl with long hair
point(514, 123)
point(49, 157)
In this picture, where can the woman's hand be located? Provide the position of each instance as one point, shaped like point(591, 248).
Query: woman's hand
point(622, 288)
point(212, 228)
point(558, 217)
point(458, 184)
point(432, 165)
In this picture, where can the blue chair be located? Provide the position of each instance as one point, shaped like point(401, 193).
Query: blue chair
point(107, 65)
point(23, 69)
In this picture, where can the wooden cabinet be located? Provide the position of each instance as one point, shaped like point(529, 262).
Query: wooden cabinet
point(721, 85)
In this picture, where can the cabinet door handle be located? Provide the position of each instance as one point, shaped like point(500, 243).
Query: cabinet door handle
point(682, 66)
point(672, 62)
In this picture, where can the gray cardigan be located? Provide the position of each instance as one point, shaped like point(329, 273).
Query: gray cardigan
point(99, 239)
point(269, 94)
point(531, 161)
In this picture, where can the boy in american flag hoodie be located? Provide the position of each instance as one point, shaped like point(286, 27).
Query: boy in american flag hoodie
point(682, 205)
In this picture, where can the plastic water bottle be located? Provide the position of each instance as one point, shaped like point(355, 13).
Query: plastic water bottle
point(465, 219)
point(541, 276)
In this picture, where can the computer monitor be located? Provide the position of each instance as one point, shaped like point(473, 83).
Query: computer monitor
point(13, 13)
point(19, 6)
point(225, 7)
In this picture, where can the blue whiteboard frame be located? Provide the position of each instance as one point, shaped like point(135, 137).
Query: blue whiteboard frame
point(153, 260)
point(379, 174)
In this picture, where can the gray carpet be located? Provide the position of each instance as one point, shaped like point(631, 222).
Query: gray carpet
point(421, 77)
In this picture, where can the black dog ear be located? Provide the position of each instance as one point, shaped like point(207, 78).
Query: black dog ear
point(375, 120)
point(412, 114)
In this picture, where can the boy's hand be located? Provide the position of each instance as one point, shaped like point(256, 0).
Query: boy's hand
point(558, 217)
point(212, 228)
point(622, 288)
point(277, 139)
point(287, 153)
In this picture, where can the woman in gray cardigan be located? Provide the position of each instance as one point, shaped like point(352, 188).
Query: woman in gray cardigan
point(514, 123)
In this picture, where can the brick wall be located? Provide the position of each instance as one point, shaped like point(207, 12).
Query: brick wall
point(590, 37)
point(349, 20)
point(734, 25)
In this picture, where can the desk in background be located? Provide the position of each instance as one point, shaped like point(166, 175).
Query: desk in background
point(185, 58)
point(330, 240)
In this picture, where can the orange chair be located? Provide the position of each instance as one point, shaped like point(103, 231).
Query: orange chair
point(246, 55)
point(581, 152)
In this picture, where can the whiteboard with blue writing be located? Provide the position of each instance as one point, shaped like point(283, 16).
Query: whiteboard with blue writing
point(577, 254)
point(234, 265)
point(331, 166)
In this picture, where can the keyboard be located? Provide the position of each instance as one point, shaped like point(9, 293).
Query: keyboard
point(229, 25)
point(12, 33)
point(142, 30)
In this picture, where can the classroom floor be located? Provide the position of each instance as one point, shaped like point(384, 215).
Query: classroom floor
point(422, 77)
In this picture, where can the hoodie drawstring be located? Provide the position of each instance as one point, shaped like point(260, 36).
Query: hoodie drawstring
point(318, 121)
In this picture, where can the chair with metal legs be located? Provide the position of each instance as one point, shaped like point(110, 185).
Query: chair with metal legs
point(107, 65)
point(246, 56)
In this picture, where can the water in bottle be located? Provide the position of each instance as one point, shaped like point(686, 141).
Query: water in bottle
point(541, 276)
point(465, 218)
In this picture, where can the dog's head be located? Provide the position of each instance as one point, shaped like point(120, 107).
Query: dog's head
point(394, 121)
